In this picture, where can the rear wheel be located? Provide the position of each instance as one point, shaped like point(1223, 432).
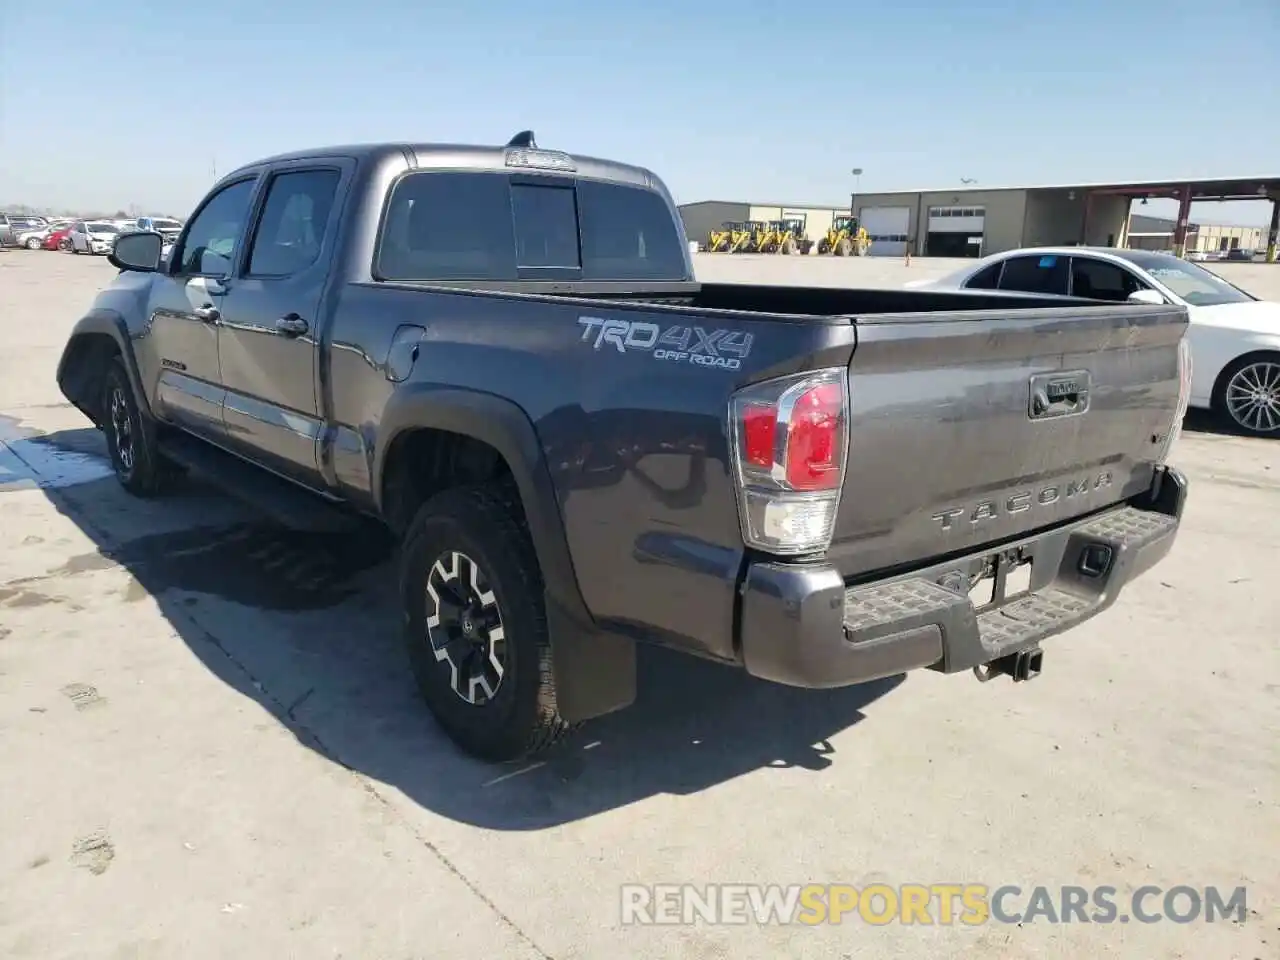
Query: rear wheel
point(476, 625)
point(844, 247)
point(1248, 394)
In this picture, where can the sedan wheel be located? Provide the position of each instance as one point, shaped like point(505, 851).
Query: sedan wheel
point(33, 243)
point(1252, 397)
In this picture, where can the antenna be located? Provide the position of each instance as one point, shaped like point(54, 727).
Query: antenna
point(523, 139)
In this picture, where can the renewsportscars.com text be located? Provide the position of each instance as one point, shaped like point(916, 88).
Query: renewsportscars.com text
point(926, 904)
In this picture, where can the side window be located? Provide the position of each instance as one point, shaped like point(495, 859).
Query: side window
point(212, 236)
point(987, 278)
point(292, 227)
point(448, 226)
point(1101, 280)
point(546, 219)
point(628, 233)
point(1040, 273)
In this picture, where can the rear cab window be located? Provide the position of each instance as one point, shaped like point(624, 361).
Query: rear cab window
point(499, 226)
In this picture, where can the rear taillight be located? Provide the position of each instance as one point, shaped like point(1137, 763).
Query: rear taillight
point(790, 438)
point(1184, 399)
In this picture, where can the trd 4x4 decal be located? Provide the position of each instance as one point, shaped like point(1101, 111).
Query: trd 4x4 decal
point(680, 343)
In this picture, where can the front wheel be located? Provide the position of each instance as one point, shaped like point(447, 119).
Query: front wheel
point(131, 440)
point(33, 243)
point(476, 624)
point(1249, 395)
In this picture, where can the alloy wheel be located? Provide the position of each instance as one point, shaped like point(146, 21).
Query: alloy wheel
point(464, 627)
point(122, 428)
point(1253, 397)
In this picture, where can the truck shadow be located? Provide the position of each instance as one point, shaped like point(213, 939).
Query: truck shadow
point(307, 626)
point(1205, 421)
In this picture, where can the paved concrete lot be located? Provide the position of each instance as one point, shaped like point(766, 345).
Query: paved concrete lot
point(211, 746)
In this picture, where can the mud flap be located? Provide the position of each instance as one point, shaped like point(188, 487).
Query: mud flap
point(595, 672)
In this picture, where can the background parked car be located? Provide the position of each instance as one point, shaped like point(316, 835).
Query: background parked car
point(33, 239)
point(59, 238)
point(93, 236)
point(167, 227)
point(13, 224)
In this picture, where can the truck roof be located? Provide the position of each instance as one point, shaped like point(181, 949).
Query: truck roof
point(462, 156)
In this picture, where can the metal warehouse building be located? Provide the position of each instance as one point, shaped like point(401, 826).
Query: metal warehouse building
point(706, 215)
point(977, 221)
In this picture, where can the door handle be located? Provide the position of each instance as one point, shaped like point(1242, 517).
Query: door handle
point(292, 325)
point(207, 313)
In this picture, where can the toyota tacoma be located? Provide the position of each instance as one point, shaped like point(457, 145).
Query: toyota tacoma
point(502, 355)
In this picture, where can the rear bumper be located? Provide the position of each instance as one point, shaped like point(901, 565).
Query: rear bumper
point(801, 626)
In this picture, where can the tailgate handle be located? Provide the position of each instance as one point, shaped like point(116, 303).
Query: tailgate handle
point(1059, 394)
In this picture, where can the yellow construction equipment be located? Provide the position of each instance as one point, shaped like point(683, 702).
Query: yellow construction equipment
point(769, 235)
point(720, 240)
point(747, 236)
point(846, 237)
point(794, 239)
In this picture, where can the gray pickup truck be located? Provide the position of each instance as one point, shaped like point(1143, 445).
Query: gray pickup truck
point(501, 355)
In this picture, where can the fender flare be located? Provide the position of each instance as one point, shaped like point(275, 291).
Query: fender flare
point(503, 425)
point(100, 322)
point(595, 670)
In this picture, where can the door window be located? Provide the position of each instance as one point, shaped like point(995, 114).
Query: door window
point(211, 238)
point(1101, 280)
point(291, 230)
point(1039, 273)
point(986, 278)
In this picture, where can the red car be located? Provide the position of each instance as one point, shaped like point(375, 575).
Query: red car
point(59, 239)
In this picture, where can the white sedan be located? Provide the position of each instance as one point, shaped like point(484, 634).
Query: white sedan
point(1234, 337)
point(93, 236)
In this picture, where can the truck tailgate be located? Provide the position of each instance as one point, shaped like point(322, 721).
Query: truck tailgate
point(972, 428)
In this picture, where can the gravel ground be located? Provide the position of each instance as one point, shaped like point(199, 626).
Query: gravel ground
point(211, 746)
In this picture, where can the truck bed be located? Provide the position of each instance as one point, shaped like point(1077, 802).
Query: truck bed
point(781, 303)
point(944, 457)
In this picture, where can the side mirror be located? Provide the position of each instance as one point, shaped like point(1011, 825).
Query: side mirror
point(1146, 296)
point(137, 251)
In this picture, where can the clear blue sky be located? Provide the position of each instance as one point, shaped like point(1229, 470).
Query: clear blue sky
point(107, 103)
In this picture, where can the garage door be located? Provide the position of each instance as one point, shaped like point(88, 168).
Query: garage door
point(887, 227)
point(955, 231)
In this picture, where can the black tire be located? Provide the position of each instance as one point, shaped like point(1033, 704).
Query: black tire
point(480, 526)
point(1254, 421)
point(131, 437)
